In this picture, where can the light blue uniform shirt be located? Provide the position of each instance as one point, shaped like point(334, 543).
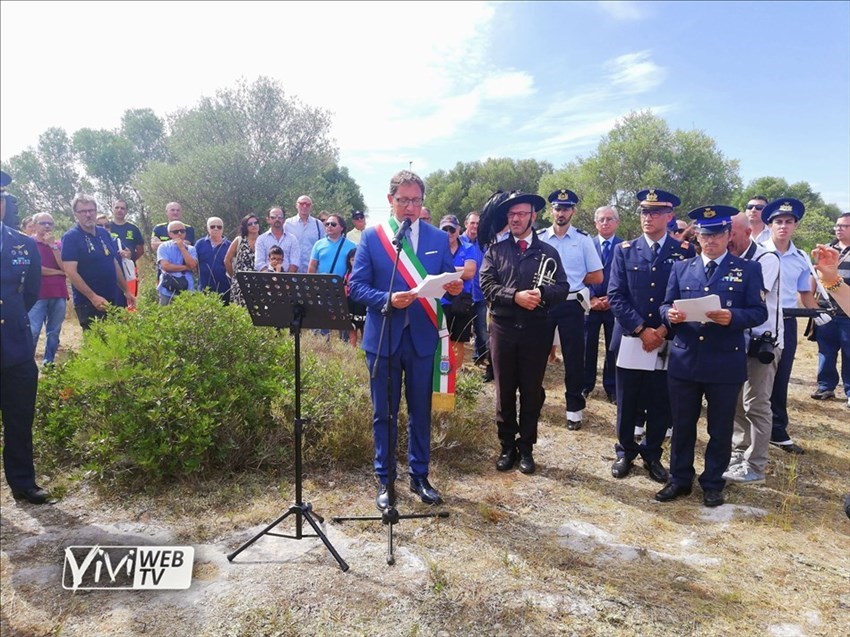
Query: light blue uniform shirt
point(796, 276)
point(578, 255)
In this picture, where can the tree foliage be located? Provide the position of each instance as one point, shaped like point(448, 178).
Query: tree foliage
point(467, 186)
point(642, 152)
point(244, 150)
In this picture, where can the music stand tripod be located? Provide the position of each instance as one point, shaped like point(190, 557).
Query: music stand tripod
point(390, 515)
point(295, 301)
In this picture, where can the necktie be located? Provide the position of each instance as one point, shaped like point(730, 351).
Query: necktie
point(522, 244)
point(606, 250)
point(655, 248)
point(710, 267)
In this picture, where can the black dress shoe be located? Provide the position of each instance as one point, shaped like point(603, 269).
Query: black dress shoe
point(621, 468)
point(488, 374)
point(382, 501)
point(671, 492)
point(35, 495)
point(573, 425)
point(507, 460)
point(789, 448)
point(712, 498)
point(656, 471)
point(423, 488)
point(526, 462)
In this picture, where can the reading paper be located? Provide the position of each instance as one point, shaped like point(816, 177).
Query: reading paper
point(432, 285)
point(695, 309)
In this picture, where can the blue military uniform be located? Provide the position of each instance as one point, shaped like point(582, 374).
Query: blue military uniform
point(635, 293)
point(708, 359)
point(20, 281)
point(578, 256)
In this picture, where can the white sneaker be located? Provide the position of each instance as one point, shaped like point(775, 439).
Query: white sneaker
point(737, 457)
point(743, 474)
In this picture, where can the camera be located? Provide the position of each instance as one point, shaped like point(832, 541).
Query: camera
point(762, 347)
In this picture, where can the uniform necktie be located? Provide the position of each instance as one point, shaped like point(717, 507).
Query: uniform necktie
point(522, 244)
point(606, 250)
point(655, 248)
point(710, 267)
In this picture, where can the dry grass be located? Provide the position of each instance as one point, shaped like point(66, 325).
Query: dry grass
point(569, 550)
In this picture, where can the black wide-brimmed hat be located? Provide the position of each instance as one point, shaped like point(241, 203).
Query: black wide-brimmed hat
point(494, 214)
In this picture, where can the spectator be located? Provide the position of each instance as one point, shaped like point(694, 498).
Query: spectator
point(425, 215)
point(240, 254)
point(52, 301)
point(328, 256)
point(834, 337)
point(277, 235)
point(358, 219)
point(131, 243)
point(753, 210)
point(275, 263)
point(479, 304)
point(306, 230)
point(176, 260)
point(458, 308)
point(212, 251)
point(173, 212)
point(28, 226)
point(92, 266)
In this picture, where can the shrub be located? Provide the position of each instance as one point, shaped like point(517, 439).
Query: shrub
point(171, 392)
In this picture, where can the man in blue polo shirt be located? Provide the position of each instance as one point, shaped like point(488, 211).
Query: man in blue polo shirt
point(329, 253)
point(91, 265)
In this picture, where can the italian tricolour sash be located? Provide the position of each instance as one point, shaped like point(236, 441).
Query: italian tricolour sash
point(411, 270)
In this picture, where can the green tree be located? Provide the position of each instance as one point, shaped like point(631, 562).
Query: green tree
point(467, 186)
point(642, 152)
point(46, 179)
point(816, 225)
point(244, 150)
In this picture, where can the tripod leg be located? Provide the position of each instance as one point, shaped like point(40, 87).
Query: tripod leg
point(262, 533)
point(390, 556)
point(309, 517)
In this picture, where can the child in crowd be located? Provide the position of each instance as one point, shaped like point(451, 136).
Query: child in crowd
point(357, 310)
point(275, 260)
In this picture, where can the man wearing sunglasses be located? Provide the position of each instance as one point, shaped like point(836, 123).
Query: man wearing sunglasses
point(753, 210)
point(328, 256)
point(49, 310)
point(92, 266)
point(306, 229)
point(211, 251)
point(177, 258)
point(277, 235)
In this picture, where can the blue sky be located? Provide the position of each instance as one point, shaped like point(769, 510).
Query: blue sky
point(438, 83)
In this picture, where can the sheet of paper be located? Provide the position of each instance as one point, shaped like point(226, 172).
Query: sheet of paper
point(695, 309)
point(632, 356)
point(432, 286)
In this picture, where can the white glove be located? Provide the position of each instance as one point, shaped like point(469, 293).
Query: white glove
point(822, 319)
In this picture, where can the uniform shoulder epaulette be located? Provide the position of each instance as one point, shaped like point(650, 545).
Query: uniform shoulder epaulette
point(580, 231)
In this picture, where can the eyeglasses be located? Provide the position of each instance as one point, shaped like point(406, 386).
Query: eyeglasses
point(841, 226)
point(404, 202)
point(653, 212)
point(178, 231)
point(450, 229)
point(331, 224)
point(757, 206)
point(252, 223)
point(87, 211)
point(519, 215)
point(216, 227)
point(304, 203)
point(46, 224)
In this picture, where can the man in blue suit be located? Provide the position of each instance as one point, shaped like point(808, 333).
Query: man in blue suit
point(20, 282)
point(607, 219)
point(639, 275)
point(410, 338)
point(708, 358)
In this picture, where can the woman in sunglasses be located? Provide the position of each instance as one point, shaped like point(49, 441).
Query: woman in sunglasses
point(240, 254)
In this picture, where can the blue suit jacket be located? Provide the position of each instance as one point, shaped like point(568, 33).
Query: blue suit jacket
point(20, 282)
point(709, 352)
point(637, 284)
point(601, 289)
point(370, 281)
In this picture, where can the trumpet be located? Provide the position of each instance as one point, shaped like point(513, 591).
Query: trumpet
point(545, 274)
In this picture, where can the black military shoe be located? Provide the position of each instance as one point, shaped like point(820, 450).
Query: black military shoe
point(656, 471)
point(423, 488)
point(382, 501)
point(621, 468)
point(35, 495)
point(526, 462)
point(507, 460)
point(712, 498)
point(671, 492)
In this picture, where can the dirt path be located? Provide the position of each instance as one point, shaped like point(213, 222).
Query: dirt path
point(569, 550)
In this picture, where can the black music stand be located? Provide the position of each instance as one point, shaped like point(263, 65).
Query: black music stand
point(296, 300)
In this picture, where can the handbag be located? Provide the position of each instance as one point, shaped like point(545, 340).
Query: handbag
point(175, 284)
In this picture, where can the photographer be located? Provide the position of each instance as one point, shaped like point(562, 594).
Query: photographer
point(753, 417)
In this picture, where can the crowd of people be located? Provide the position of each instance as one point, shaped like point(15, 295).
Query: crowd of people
point(691, 313)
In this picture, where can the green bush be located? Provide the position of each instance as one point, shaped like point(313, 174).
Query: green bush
point(164, 393)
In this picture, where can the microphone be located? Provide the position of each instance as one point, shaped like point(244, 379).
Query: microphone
point(405, 226)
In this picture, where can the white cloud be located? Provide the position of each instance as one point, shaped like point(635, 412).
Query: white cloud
point(623, 10)
point(635, 72)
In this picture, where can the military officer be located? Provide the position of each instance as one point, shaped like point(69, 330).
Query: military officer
point(583, 266)
point(20, 282)
point(708, 358)
point(639, 275)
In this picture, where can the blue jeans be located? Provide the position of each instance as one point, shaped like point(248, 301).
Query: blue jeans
point(52, 312)
point(832, 338)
